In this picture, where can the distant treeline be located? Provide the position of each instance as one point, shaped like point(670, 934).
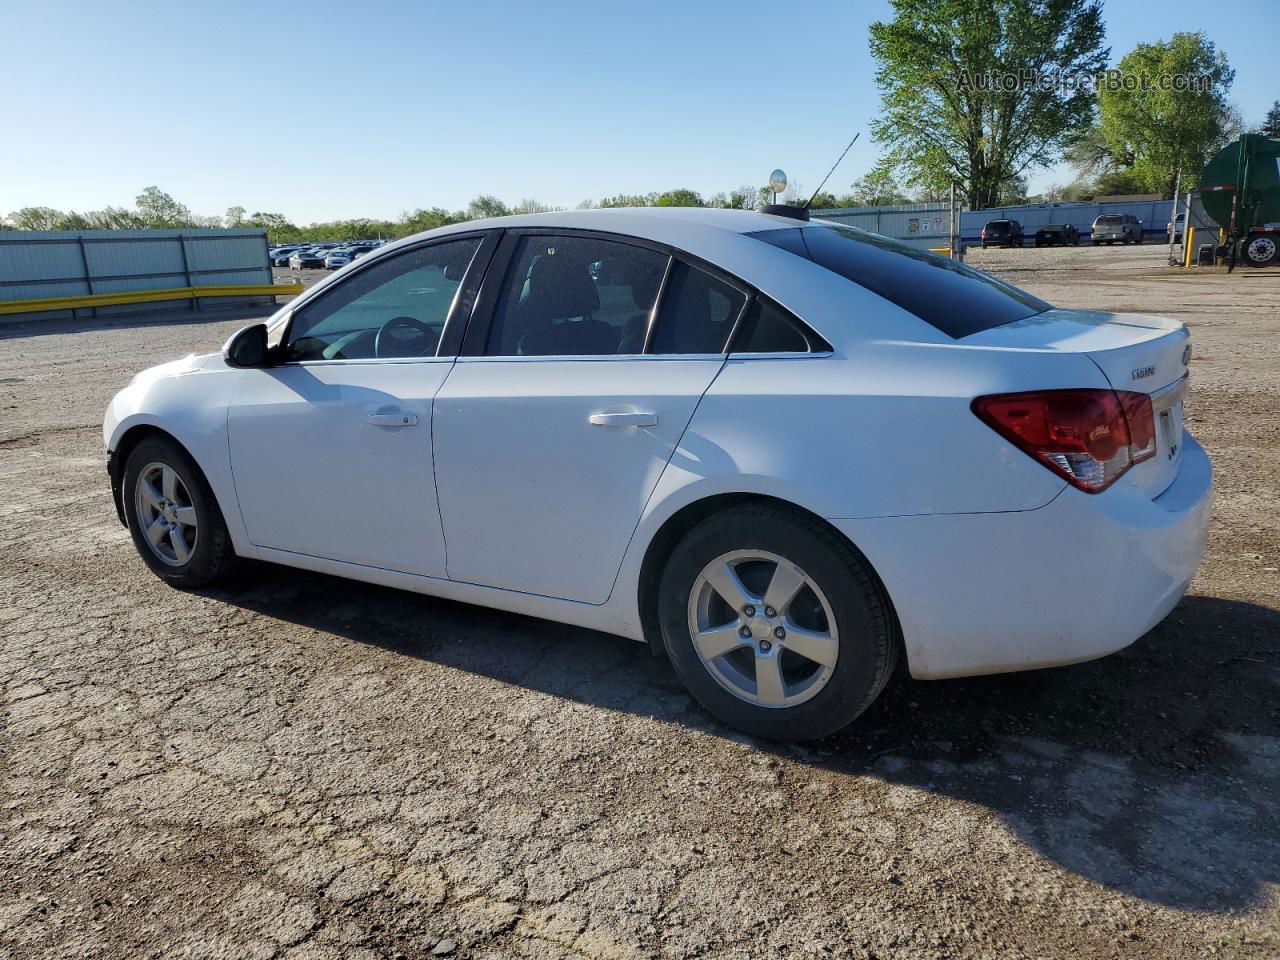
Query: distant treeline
point(159, 210)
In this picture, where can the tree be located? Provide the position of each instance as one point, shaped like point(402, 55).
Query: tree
point(159, 209)
point(1164, 109)
point(1118, 183)
point(36, 218)
point(1089, 153)
point(276, 225)
point(1271, 122)
point(235, 216)
point(876, 189)
point(744, 197)
point(953, 107)
point(485, 206)
point(530, 205)
point(680, 198)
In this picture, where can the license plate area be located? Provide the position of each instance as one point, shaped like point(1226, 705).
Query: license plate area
point(1166, 404)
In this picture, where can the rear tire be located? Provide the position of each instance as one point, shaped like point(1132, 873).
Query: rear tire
point(173, 517)
point(1262, 250)
point(769, 684)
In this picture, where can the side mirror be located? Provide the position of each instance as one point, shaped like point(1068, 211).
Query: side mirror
point(247, 347)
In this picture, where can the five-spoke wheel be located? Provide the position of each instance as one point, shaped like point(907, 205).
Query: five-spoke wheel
point(173, 516)
point(776, 623)
point(166, 514)
point(763, 628)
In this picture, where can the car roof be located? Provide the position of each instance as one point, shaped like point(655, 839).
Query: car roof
point(657, 223)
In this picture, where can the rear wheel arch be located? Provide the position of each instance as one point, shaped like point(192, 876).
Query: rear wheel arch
point(687, 517)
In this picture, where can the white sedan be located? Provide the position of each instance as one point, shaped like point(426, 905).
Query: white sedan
point(784, 453)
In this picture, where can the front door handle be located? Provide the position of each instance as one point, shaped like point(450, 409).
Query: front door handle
point(393, 419)
point(624, 419)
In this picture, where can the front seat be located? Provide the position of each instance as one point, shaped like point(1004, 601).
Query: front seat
point(556, 310)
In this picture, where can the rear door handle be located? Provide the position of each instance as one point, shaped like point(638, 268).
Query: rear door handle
point(392, 419)
point(624, 419)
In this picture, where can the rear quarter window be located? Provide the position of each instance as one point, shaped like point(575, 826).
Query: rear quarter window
point(944, 293)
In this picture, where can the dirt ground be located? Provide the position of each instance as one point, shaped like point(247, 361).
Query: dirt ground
point(297, 766)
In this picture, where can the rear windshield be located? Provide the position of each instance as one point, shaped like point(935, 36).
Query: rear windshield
point(942, 292)
point(997, 223)
point(1110, 221)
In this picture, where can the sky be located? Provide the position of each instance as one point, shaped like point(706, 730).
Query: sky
point(326, 110)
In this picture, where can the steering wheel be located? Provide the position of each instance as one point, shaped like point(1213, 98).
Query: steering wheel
point(391, 343)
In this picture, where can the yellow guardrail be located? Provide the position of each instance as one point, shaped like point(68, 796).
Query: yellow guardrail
point(148, 296)
point(943, 250)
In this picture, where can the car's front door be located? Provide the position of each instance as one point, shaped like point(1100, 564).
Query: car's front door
point(551, 436)
point(331, 447)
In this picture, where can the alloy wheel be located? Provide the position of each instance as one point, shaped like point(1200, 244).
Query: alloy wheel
point(763, 628)
point(165, 514)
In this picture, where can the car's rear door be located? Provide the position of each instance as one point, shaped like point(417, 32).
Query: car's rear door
point(331, 447)
point(584, 363)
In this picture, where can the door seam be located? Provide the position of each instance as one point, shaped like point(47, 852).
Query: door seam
point(644, 510)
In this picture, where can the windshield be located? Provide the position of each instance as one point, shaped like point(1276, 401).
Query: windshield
point(1109, 221)
point(942, 292)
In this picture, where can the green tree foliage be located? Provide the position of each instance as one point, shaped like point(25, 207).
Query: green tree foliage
point(234, 216)
point(957, 104)
point(485, 206)
point(159, 209)
point(1271, 122)
point(630, 200)
point(682, 197)
point(36, 218)
point(1166, 110)
point(876, 189)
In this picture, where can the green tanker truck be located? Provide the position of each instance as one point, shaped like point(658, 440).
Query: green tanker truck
point(1240, 190)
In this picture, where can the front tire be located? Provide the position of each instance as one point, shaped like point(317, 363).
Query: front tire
point(173, 517)
point(775, 624)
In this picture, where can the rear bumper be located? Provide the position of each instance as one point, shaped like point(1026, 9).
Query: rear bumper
point(1077, 579)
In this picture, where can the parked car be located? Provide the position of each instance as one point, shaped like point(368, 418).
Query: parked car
point(1002, 233)
point(337, 258)
point(744, 439)
point(1057, 233)
point(1117, 228)
point(306, 259)
point(1173, 229)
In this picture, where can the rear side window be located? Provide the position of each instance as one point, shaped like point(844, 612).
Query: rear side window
point(942, 292)
point(698, 312)
point(576, 297)
point(767, 328)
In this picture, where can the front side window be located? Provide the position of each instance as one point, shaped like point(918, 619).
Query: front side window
point(394, 308)
point(575, 296)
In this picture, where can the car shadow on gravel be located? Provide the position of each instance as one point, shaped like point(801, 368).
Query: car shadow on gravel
point(1153, 772)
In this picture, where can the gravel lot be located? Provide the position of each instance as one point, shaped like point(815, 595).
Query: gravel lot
point(299, 766)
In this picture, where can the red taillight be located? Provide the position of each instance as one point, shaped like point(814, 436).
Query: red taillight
point(1088, 437)
point(983, 233)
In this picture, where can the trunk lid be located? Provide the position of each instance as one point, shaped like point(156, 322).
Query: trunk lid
point(1135, 352)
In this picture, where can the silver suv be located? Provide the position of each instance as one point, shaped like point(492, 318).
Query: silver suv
point(1112, 227)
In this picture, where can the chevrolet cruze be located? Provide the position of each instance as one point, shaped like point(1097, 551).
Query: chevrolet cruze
point(785, 454)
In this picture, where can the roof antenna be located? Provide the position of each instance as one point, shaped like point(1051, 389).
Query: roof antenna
point(832, 170)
